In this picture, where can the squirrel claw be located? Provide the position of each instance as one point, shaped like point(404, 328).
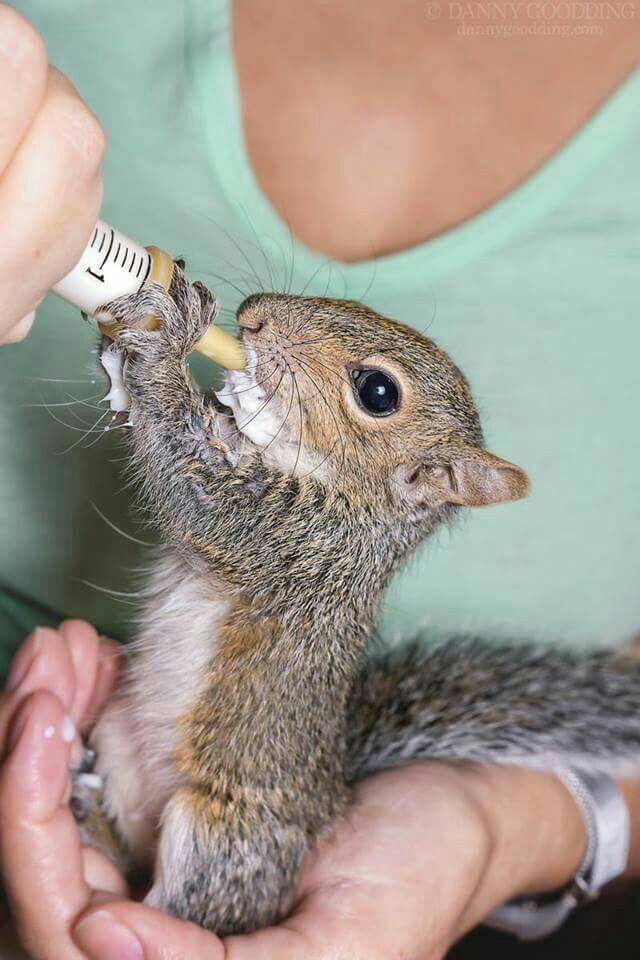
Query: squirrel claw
point(87, 761)
point(86, 786)
point(87, 806)
point(183, 315)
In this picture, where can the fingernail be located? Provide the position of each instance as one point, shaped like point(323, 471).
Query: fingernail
point(101, 937)
point(68, 730)
point(23, 660)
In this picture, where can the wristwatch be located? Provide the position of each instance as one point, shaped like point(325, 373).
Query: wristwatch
point(607, 821)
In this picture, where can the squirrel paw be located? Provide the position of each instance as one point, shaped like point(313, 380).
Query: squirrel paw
point(183, 314)
point(86, 786)
point(86, 804)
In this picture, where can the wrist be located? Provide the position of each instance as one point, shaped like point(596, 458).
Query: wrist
point(538, 837)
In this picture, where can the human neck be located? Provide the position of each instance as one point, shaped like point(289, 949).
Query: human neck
point(400, 127)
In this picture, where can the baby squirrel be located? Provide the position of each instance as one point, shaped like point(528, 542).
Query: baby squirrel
point(250, 707)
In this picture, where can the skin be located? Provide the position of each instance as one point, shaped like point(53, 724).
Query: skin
point(397, 128)
point(51, 146)
point(365, 890)
point(64, 897)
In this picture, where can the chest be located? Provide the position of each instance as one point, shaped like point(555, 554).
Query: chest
point(372, 129)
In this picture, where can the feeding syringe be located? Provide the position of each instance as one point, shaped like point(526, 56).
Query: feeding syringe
point(113, 266)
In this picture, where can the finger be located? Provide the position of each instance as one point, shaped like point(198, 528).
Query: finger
point(39, 844)
point(50, 198)
point(83, 644)
point(42, 663)
point(133, 931)
point(122, 930)
point(101, 875)
point(110, 657)
point(19, 331)
point(23, 77)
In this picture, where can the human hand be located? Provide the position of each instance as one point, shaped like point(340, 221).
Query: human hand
point(423, 854)
point(51, 146)
point(59, 681)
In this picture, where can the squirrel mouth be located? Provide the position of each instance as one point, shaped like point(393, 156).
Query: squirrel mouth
point(250, 402)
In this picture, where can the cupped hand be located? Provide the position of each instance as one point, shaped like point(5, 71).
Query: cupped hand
point(394, 878)
point(59, 681)
point(423, 854)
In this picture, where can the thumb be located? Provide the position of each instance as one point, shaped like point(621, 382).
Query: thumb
point(123, 930)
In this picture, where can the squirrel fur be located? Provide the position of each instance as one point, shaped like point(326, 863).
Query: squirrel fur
point(251, 705)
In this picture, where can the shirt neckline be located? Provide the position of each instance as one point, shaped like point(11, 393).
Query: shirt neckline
point(214, 76)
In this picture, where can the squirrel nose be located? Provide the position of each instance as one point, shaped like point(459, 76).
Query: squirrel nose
point(248, 313)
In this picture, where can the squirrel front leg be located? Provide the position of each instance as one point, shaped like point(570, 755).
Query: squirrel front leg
point(196, 474)
point(176, 434)
point(204, 483)
point(225, 871)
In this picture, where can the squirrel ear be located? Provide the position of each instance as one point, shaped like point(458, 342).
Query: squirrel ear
point(472, 478)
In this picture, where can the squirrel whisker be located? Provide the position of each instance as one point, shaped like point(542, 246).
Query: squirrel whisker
point(280, 428)
point(117, 595)
point(295, 384)
point(258, 245)
point(240, 250)
point(241, 426)
point(83, 430)
point(68, 403)
point(313, 276)
point(226, 281)
point(334, 418)
point(235, 393)
point(123, 533)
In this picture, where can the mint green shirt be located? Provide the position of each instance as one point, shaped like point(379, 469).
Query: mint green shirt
point(536, 299)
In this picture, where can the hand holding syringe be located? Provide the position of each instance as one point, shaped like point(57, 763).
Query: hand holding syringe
point(113, 266)
point(51, 146)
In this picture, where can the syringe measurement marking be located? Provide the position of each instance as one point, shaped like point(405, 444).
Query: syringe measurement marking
point(148, 271)
point(98, 276)
point(118, 267)
point(108, 248)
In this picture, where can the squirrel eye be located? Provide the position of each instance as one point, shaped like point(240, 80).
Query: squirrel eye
point(377, 392)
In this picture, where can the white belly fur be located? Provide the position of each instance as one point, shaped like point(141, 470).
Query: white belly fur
point(137, 735)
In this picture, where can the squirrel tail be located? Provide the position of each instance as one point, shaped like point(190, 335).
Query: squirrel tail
point(482, 701)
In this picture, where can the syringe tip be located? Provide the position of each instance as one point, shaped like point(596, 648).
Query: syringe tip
point(222, 348)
